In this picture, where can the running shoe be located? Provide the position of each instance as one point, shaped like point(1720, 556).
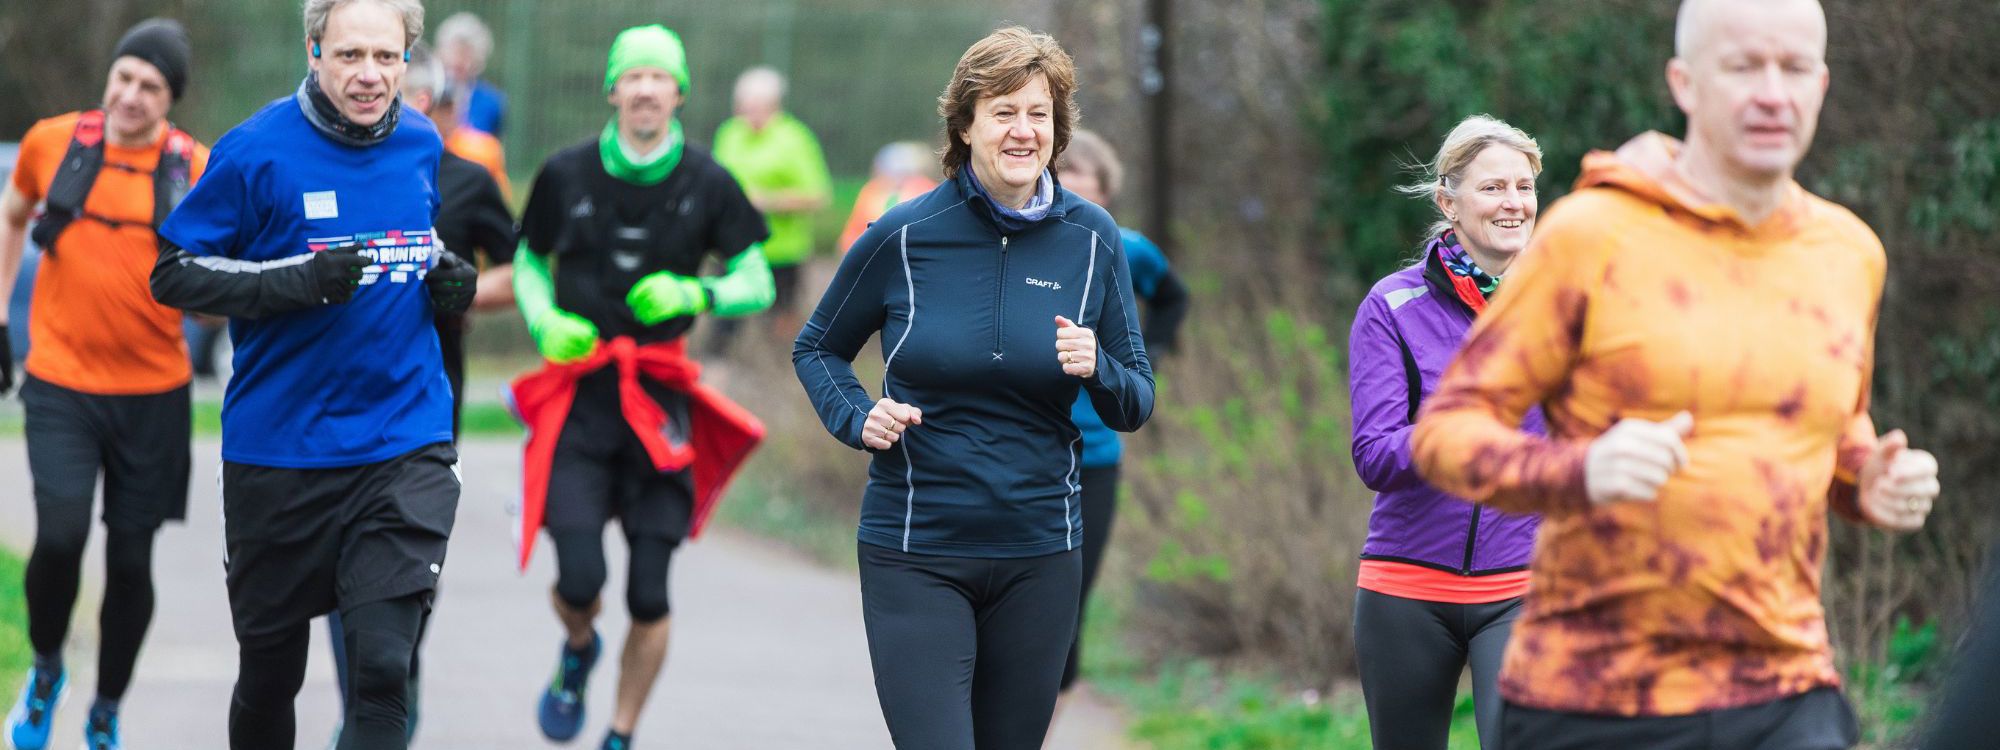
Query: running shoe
point(100, 732)
point(616, 741)
point(561, 713)
point(28, 724)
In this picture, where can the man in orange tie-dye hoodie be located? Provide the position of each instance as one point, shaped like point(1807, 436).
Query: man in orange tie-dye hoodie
point(1699, 331)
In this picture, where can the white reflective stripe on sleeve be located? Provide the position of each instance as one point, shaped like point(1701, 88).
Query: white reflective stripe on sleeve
point(232, 265)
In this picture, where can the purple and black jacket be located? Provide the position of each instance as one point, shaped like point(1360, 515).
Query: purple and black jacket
point(1405, 333)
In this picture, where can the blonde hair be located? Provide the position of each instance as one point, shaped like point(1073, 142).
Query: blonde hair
point(1465, 143)
point(1089, 152)
point(1001, 64)
point(412, 11)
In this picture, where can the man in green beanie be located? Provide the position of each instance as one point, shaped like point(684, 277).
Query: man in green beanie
point(612, 241)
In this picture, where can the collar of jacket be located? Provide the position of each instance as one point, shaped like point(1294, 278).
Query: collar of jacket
point(1005, 222)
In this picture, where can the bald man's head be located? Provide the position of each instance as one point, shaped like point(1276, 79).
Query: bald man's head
point(1751, 76)
point(1694, 24)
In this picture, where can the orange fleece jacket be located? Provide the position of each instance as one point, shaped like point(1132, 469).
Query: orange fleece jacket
point(1638, 298)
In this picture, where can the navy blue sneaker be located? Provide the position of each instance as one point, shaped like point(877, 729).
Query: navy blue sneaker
point(100, 731)
point(28, 724)
point(561, 714)
point(615, 741)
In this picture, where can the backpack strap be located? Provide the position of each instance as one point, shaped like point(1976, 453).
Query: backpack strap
point(73, 180)
point(173, 175)
point(82, 162)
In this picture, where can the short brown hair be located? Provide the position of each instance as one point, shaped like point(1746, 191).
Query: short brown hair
point(1001, 64)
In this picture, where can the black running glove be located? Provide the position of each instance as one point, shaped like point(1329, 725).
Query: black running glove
point(452, 283)
point(6, 361)
point(337, 272)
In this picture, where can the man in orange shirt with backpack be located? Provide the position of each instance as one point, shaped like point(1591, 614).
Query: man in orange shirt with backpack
point(106, 389)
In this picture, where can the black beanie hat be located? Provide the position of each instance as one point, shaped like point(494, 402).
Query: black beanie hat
point(162, 43)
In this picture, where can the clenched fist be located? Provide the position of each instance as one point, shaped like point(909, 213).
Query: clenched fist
point(1631, 460)
point(887, 422)
point(1076, 348)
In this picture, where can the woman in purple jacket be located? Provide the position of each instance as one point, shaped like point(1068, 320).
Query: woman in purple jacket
point(1441, 579)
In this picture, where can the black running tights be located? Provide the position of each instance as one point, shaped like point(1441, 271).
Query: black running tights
point(381, 638)
point(54, 568)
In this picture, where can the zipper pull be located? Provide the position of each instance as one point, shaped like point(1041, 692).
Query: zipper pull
point(1003, 243)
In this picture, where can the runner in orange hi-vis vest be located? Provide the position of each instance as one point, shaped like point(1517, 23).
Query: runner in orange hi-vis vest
point(1699, 331)
point(447, 112)
point(898, 175)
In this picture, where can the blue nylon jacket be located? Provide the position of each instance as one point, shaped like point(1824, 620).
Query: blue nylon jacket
point(966, 315)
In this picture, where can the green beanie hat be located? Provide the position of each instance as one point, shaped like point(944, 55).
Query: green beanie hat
point(652, 46)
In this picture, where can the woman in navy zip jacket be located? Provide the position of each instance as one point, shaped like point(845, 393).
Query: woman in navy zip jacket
point(998, 296)
point(1441, 579)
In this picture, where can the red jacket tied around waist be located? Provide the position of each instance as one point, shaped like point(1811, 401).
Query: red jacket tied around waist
point(722, 433)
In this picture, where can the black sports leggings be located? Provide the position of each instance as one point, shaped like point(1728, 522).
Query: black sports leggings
point(1100, 508)
point(62, 529)
point(381, 638)
point(968, 652)
point(581, 571)
point(1410, 654)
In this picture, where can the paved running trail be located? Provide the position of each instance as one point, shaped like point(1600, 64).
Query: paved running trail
point(768, 649)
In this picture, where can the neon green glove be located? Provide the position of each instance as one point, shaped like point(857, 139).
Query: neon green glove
point(665, 295)
point(563, 337)
point(746, 289)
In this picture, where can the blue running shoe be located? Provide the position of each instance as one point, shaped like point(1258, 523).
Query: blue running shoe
point(28, 724)
point(561, 713)
point(100, 731)
point(615, 741)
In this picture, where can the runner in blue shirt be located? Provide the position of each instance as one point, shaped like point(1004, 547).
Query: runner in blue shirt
point(313, 233)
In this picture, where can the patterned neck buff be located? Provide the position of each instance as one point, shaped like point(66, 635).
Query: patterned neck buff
point(1474, 284)
point(327, 118)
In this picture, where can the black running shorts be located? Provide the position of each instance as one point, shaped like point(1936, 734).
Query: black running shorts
point(303, 542)
point(601, 471)
point(138, 443)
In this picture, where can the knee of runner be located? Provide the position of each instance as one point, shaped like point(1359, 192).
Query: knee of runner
point(648, 607)
point(379, 664)
point(646, 587)
point(578, 590)
point(268, 673)
point(128, 557)
point(61, 538)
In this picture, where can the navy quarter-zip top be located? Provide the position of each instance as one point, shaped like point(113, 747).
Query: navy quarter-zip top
point(967, 313)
